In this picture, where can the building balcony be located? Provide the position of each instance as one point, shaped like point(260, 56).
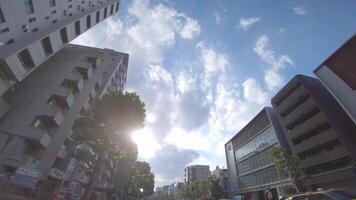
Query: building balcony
point(62, 152)
point(38, 135)
point(56, 173)
point(299, 112)
point(324, 156)
point(74, 81)
point(66, 95)
point(85, 70)
point(15, 159)
point(291, 99)
point(307, 125)
point(94, 61)
point(52, 116)
point(315, 141)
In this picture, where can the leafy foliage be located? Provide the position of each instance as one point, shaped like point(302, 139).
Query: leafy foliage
point(203, 190)
point(107, 124)
point(141, 178)
point(286, 163)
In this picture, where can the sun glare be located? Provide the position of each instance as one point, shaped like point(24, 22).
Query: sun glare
point(146, 143)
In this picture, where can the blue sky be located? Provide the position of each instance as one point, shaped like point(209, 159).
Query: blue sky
point(205, 68)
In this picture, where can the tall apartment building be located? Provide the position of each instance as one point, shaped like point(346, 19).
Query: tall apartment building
point(196, 173)
point(319, 131)
point(43, 109)
point(31, 31)
point(338, 74)
point(250, 166)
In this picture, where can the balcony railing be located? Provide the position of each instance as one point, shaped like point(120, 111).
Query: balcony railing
point(15, 159)
point(38, 135)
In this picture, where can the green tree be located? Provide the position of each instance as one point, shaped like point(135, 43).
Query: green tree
point(109, 121)
point(286, 163)
point(216, 190)
point(141, 182)
point(106, 128)
point(185, 192)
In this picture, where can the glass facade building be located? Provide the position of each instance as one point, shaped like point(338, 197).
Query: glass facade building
point(254, 163)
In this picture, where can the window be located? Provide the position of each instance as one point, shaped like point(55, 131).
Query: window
point(64, 36)
point(32, 19)
point(10, 41)
point(54, 12)
point(29, 7)
point(88, 21)
point(52, 3)
point(117, 6)
point(26, 59)
point(47, 46)
point(77, 28)
point(70, 84)
point(5, 30)
point(35, 30)
point(69, 6)
point(2, 18)
point(112, 9)
point(54, 21)
point(105, 12)
point(97, 17)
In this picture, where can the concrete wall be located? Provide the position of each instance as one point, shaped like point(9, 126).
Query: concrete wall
point(30, 97)
point(46, 27)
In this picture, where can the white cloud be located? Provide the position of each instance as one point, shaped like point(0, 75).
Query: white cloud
point(213, 62)
point(253, 92)
point(299, 10)
point(273, 77)
point(179, 138)
point(202, 101)
point(246, 23)
point(191, 29)
point(146, 143)
point(218, 18)
point(185, 82)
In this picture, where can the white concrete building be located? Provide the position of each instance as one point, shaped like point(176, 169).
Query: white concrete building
point(196, 173)
point(44, 107)
point(31, 31)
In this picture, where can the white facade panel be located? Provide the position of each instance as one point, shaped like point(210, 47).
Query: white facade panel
point(56, 41)
point(37, 52)
point(16, 66)
point(339, 89)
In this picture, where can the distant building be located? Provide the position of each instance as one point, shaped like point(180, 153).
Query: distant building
point(196, 173)
point(34, 30)
point(251, 169)
point(338, 74)
point(171, 192)
point(43, 108)
point(319, 131)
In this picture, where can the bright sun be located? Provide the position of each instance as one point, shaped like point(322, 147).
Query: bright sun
point(146, 143)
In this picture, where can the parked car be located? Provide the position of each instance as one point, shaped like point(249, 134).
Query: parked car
point(338, 194)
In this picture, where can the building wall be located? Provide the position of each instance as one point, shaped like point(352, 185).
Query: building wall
point(250, 166)
point(196, 173)
point(316, 129)
point(28, 35)
point(338, 74)
point(30, 99)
